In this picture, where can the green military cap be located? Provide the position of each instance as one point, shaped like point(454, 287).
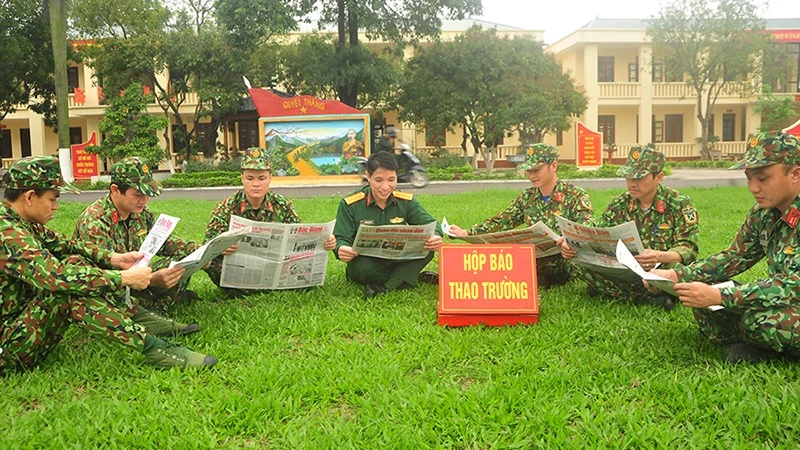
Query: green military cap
point(537, 155)
point(766, 149)
point(255, 158)
point(133, 171)
point(642, 161)
point(37, 172)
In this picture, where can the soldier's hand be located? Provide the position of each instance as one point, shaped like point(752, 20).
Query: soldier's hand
point(138, 277)
point(167, 278)
point(230, 250)
point(433, 243)
point(125, 260)
point(330, 243)
point(697, 294)
point(663, 273)
point(346, 253)
point(566, 251)
point(458, 231)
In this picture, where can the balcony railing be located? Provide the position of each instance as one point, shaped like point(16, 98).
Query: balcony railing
point(620, 90)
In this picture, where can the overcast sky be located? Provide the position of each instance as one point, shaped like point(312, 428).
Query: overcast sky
point(561, 17)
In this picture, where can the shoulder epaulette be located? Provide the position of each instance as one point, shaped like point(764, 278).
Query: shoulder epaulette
point(403, 195)
point(354, 198)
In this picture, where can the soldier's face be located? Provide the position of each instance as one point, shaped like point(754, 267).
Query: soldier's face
point(543, 176)
point(129, 202)
point(644, 189)
point(41, 208)
point(773, 186)
point(256, 182)
point(382, 182)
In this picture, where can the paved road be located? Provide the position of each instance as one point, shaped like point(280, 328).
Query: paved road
point(680, 178)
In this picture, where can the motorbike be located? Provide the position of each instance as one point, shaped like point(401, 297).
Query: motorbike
point(411, 170)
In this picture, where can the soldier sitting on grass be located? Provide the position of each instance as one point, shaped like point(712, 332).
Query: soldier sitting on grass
point(41, 295)
point(761, 319)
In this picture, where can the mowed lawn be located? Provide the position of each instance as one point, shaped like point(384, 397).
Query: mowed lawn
point(325, 368)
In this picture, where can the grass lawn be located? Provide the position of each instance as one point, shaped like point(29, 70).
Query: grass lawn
point(326, 369)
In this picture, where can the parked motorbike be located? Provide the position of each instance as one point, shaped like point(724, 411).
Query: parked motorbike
point(411, 170)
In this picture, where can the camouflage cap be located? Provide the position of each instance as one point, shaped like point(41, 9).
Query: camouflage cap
point(642, 160)
point(255, 158)
point(766, 149)
point(133, 171)
point(537, 155)
point(37, 172)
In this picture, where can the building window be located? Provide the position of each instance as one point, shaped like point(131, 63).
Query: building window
point(605, 125)
point(605, 69)
point(672, 73)
point(658, 72)
point(204, 135)
point(435, 137)
point(728, 127)
point(658, 131)
point(5, 143)
point(25, 141)
point(75, 135)
point(72, 78)
point(673, 124)
point(248, 135)
point(633, 71)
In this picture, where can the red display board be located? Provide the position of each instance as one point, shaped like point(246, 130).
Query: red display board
point(793, 129)
point(270, 105)
point(492, 285)
point(590, 146)
point(84, 164)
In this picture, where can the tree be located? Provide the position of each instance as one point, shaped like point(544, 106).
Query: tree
point(129, 130)
point(716, 44)
point(776, 112)
point(489, 86)
point(58, 36)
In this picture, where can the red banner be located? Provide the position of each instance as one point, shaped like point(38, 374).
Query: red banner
point(590, 146)
point(785, 35)
point(793, 129)
point(270, 105)
point(487, 284)
point(84, 164)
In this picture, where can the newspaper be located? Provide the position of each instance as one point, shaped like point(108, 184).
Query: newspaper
point(393, 241)
point(208, 251)
point(537, 234)
point(277, 255)
point(152, 244)
point(597, 247)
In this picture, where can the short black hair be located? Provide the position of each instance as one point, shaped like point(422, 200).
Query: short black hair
point(123, 188)
point(12, 195)
point(381, 160)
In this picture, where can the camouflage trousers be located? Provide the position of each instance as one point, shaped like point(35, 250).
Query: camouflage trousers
point(552, 271)
point(161, 299)
point(27, 339)
point(628, 289)
point(386, 272)
point(773, 327)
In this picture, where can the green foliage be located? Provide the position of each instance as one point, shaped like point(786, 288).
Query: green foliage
point(203, 179)
point(776, 112)
point(129, 130)
point(441, 159)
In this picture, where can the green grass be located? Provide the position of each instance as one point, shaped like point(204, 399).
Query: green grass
point(327, 369)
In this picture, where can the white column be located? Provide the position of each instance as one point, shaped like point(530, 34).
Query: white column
point(590, 85)
point(647, 92)
point(36, 124)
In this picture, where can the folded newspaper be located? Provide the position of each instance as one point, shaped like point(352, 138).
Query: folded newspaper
point(537, 234)
point(152, 243)
point(208, 251)
point(277, 255)
point(393, 241)
point(597, 247)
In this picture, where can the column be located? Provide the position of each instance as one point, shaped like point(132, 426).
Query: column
point(647, 92)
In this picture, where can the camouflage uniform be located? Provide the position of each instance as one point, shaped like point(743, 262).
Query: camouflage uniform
point(530, 206)
point(401, 208)
point(765, 312)
point(670, 224)
point(41, 293)
point(101, 224)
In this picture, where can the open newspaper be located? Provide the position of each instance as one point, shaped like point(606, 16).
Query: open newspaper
point(393, 241)
point(597, 247)
point(537, 234)
point(152, 243)
point(208, 251)
point(277, 255)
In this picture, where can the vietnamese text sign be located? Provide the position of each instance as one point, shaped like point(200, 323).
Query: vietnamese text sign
point(590, 144)
point(84, 164)
point(491, 284)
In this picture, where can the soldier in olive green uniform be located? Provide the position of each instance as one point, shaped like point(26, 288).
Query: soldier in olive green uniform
point(380, 204)
point(547, 199)
point(255, 201)
point(119, 222)
point(41, 295)
point(760, 319)
point(666, 221)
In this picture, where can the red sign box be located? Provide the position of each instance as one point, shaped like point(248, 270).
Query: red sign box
point(84, 164)
point(590, 146)
point(487, 284)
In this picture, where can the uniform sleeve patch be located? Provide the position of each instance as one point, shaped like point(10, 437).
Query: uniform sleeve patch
point(586, 202)
point(403, 195)
point(690, 215)
point(354, 198)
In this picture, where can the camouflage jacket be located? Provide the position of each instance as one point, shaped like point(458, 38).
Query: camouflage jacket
point(30, 262)
point(670, 224)
point(529, 207)
point(765, 233)
point(100, 224)
point(275, 208)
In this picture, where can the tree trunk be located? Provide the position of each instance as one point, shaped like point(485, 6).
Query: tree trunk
point(58, 36)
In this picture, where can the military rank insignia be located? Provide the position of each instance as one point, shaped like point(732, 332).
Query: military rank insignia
point(661, 208)
point(559, 196)
point(792, 217)
point(690, 215)
point(789, 250)
point(397, 220)
point(115, 217)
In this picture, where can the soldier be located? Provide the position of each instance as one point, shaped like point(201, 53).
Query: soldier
point(548, 198)
point(119, 222)
point(41, 295)
point(255, 201)
point(380, 204)
point(666, 221)
point(761, 319)
point(386, 143)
